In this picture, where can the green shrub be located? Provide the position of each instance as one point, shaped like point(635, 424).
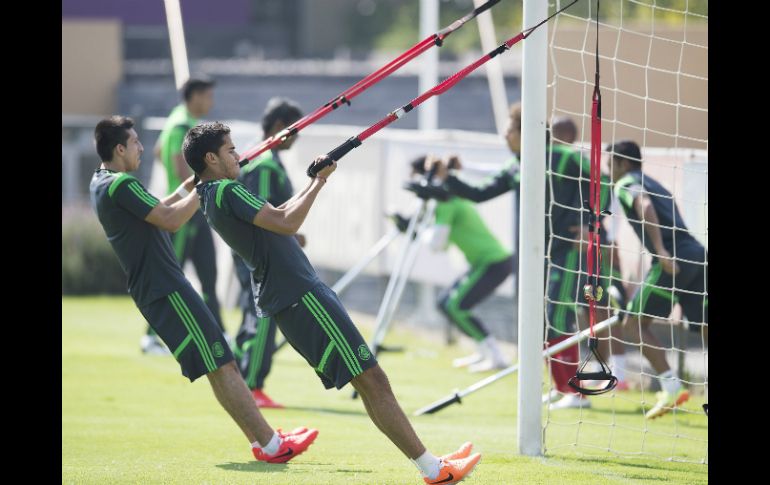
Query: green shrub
point(88, 264)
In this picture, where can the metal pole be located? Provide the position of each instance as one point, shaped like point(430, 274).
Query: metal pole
point(456, 396)
point(532, 243)
point(494, 70)
point(178, 46)
point(427, 117)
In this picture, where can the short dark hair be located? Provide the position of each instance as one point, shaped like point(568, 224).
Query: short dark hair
point(418, 164)
point(200, 140)
point(195, 84)
point(282, 109)
point(111, 132)
point(564, 129)
point(627, 150)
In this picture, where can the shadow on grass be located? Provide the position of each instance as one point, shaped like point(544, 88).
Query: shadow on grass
point(261, 467)
point(663, 466)
point(254, 466)
point(327, 410)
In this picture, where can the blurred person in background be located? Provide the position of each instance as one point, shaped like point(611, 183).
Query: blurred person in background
point(566, 187)
point(266, 177)
point(194, 240)
point(458, 222)
point(679, 270)
point(565, 132)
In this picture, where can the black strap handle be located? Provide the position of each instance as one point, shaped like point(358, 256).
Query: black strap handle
point(604, 374)
point(613, 381)
point(333, 156)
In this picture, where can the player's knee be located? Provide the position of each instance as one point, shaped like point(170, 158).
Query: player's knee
point(224, 370)
point(371, 381)
point(452, 307)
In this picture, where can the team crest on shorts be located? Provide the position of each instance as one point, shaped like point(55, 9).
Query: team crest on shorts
point(218, 350)
point(363, 352)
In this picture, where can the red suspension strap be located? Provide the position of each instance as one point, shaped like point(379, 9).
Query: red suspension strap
point(437, 90)
point(594, 201)
point(363, 84)
point(593, 291)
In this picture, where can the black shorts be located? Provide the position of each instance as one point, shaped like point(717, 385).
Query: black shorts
point(319, 328)
point(188, 328)
point(470, 289)
point(660, 291)
point(567, 276)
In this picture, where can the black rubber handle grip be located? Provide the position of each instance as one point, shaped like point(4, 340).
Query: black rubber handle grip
point(333, 156)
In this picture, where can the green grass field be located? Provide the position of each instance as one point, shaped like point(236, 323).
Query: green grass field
point(129, 418)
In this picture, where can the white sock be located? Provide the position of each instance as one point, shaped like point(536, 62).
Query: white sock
point(669, 382)
point(493, 349)
point(482, 349)
point(271, 447)
point(618, 365)
point(427, 464)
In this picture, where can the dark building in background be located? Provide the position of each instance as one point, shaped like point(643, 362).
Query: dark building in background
point(223, 28)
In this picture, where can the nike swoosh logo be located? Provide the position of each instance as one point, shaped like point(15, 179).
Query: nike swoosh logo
point(288, 452)
point(447, 479)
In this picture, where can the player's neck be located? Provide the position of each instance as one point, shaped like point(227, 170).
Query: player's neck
point(207, 176)
point(113, 166)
